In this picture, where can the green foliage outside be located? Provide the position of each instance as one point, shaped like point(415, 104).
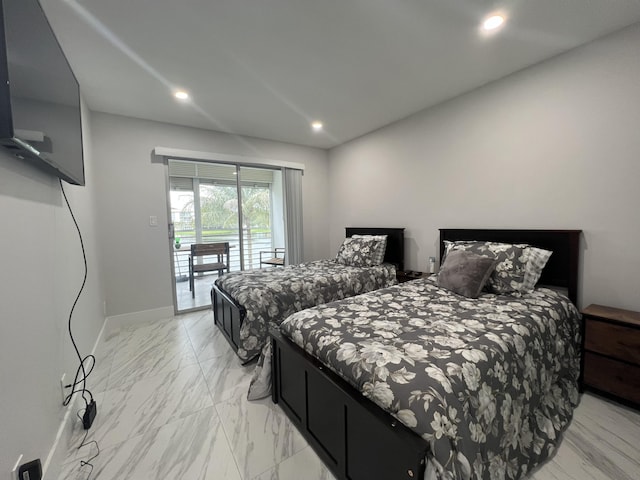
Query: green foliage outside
point(219, 210)
point(219, 216)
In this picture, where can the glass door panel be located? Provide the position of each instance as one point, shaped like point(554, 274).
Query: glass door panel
point(204, 209)
point(262, 215)
point(184, 208)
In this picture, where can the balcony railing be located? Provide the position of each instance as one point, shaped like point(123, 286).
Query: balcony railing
point(254, 243)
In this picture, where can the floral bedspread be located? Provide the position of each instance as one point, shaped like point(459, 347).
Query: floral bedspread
point(271, 295)
point(489, 383)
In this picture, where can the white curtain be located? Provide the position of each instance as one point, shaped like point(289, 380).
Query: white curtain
point(293, 215)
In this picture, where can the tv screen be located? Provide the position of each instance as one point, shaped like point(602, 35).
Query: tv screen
point(39, 95)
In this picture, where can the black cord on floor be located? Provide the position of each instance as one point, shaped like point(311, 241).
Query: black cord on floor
point(82, 372)
point(84, 443)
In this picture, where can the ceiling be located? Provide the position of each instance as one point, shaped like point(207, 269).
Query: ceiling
point(267, 68)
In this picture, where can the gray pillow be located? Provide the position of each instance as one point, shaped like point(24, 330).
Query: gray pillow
point(465, 273)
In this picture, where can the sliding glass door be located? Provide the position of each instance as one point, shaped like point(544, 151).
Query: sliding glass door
point(221, 203)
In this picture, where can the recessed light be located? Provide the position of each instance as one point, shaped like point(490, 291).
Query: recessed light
point(317, 126)
point(181, 95)
point(493, 22)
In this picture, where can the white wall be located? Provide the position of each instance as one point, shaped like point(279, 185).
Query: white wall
point(42, 270)
point(136, 257)
point(553, 146)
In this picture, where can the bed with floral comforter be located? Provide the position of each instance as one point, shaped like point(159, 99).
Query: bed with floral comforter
point(489, 383)
point(271, 295)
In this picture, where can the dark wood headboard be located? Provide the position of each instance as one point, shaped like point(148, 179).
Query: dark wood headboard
point(395, 242)
point(561, 269)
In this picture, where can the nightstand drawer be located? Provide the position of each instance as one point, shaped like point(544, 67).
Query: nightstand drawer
point(617, 378)
point(613, 340)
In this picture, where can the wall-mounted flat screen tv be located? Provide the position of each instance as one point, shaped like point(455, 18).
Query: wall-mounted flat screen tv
point(40, 119)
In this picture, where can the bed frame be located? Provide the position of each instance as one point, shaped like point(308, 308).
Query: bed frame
point(228, 315)
point(355, 438)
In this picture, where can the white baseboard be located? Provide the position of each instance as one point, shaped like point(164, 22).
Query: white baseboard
point(133, 318)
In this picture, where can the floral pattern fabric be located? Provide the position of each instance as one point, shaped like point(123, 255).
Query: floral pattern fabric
point(271, 295)
point(379, 249)
point(358, 251)
point(489, 383)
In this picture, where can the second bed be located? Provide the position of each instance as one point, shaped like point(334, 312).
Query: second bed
point(245, 303)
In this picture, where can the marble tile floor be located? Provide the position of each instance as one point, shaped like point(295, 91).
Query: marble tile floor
point(172, 404)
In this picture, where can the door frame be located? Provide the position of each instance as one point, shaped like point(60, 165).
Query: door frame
point(204, 157)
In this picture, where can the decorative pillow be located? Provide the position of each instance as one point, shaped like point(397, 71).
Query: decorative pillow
point(465, 273)
point(357, 252)
point(508, 276)
point(537, 259)
point(381, 247)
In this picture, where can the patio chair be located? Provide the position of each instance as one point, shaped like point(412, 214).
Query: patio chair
point(272, 257)
point(218, 250)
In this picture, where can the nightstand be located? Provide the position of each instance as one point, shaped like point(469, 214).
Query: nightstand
point(611, 352)
point(405, 276)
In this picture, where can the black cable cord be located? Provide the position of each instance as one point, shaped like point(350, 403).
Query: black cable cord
point(78, 380)
point(85, 463)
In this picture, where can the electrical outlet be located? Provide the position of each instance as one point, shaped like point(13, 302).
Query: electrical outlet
point(31, 470)
point(63, 390)
point(14, 472)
